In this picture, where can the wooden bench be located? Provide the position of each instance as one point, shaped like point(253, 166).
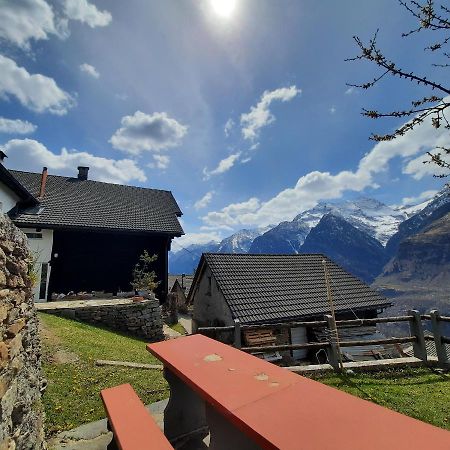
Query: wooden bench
point(248, 403)
point(132, 425)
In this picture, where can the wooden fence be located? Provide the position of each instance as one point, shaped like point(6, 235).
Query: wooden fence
point(333, 345)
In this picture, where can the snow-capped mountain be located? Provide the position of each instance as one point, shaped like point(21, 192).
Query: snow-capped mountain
point(366, 214)
point(241, 241)
point(436, 208)
point(353, 249)
point(371, 217)
point(186, 259)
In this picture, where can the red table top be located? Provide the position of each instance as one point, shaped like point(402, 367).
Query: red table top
point(279, 409)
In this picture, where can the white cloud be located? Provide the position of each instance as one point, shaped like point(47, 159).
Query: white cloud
point(90, 70)
point(31, 155)
point(160, 162)
point(23, 20)
point(36, 92)
point(332, 110)
point(426, 195)
point(420, 167)
point(350, 90)
point(316, 186)
point(17, 126)
point(260, 115)
point(204, 201)
point(87, 13)
point(228, 127)
point(144, 132)
point(224, 166)
point(194, 238)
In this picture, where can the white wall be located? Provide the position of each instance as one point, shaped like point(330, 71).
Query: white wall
point(41, 249)
point(8, 198)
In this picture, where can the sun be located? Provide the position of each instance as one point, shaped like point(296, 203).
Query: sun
point(223, 8)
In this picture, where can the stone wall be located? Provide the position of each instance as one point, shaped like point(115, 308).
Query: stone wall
point(21, 425)
point(142, 319)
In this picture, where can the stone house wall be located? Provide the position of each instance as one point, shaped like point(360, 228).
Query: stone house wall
point(21, 413)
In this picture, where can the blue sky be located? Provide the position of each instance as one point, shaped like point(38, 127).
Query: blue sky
point(244, 114)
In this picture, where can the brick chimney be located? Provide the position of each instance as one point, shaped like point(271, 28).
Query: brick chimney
point(43, 183)
point(83, 173)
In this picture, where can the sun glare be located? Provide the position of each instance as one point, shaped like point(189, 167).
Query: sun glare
point(223, 8)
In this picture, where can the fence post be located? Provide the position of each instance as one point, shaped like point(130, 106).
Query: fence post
point(237, 334)
point(436, 326)
point(416, 328)
point(332, 351)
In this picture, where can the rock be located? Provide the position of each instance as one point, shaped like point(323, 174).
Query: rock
point(4, 309)
point(15, 327)
point(7, 246)
point(4, 353)
point(3, 281)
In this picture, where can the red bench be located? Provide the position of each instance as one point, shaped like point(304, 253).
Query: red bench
point(248, 403)
point(132, 425)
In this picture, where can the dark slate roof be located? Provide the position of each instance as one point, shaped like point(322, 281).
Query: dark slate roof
point(73, 203)
point(267, 288)
point(186, 282)
point(12, 183)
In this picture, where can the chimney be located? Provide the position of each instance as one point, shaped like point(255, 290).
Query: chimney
point(43, 183)
point(83, 173)
point(2, 156)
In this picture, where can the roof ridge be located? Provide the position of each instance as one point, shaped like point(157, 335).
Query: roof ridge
point(267, 254)
point(93, 181)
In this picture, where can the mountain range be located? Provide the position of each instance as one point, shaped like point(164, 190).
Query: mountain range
point(364, 236)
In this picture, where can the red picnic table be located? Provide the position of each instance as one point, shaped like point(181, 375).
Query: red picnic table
point(248, 403)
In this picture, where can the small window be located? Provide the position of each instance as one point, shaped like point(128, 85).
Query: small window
point(43, 285)
point(208, 292)
point(33, 235)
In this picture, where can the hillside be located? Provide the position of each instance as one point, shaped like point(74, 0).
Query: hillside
point(355, 250)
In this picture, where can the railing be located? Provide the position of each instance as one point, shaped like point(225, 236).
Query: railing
point(417, 336)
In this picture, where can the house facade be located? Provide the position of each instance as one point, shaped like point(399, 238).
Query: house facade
point(266, 289)
point(87, 235)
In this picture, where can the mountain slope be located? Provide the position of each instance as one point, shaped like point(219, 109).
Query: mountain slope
point(434, 210)
point(355, 250)
point(285, 238)
point(422, 259)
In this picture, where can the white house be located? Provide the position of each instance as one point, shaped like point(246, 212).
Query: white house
point(87, 235)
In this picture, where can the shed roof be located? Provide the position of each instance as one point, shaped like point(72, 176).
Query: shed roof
point(74, 203)
point(267, 288)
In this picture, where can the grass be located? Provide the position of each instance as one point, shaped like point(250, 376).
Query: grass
point(417, 392)
point(178, 327)
point(72, 396)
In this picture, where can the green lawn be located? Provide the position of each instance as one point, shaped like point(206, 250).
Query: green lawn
point(72, 396)
point(416, 392)
point(178, 327)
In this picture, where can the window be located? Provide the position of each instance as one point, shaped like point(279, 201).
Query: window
point(208, 292)
point(33, 235)
point(43, 285)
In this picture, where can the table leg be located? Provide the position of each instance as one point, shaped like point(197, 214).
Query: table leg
point(224, 435)
point(184, 416)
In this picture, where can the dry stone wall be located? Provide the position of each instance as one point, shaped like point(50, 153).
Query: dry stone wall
point(142, 319)
point(21, 414)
